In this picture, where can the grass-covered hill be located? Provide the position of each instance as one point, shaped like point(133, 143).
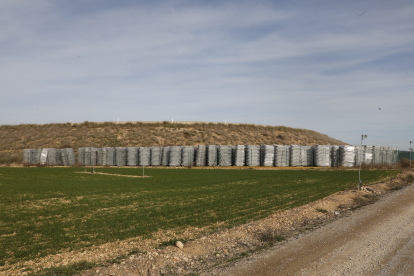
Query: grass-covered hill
point(14, 138)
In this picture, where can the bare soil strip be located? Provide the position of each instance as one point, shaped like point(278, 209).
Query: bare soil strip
point(123, 175)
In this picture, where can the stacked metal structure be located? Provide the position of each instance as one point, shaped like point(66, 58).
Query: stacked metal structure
point(359, 155)
point(295, 156)
point(368, 158)
point(120, 156)
point(101, 157)
point(224, 155)
point(174, 158)
point(306, 156)
point(200, 155)
point(187, 156)
point(110, 156)
point(252, 155)
point(211, 155)
point(165, 155)
point(282, 156)
point(335, 155)
point(377, 154)
point(267, 155)
point(156, 153)
point(144, 156)
point(322, 155)
point(131, 156)
point(239, 155)
point(347, 156)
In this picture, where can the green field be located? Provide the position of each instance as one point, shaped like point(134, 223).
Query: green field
point(46, 210)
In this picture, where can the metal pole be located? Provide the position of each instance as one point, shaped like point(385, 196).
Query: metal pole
point(410, 155)
point(359, 182)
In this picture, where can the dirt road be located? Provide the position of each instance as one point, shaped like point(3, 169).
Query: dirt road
point(376, 240)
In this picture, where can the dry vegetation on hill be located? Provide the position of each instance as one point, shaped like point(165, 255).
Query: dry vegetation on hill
point(15, 138)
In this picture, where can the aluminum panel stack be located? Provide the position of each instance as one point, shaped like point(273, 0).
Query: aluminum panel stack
point(239, 155)
point(110, 156)
point(35, 156)
point(53, 157)
point(267, 154)
point(187, 156)
point(347, 156)
point(174, 157)
point(282, 156)
point(144, 156)
point(395, 156)
point(120, 156)
point(211, 155)
point(322, 155)
point(200, 155)
point(359, 155)
point(64, 157)
point(368, 155)
point(252, 155)
point(306, 155)
point(295, 156)
point(58, 156)
point(70, 155)
point(156, 153)
point(224, 155)
point(335, 155)
point(165, 155)
point(132, 156)
point(26, 156)
point(101, 156)
point(43, 156)
point(90, 156)
point(377, 154)
point(81, 156)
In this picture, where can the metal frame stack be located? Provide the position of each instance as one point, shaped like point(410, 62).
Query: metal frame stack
point(377, 154)
point(81, 156)
point(131, 156)
point(335, 155)
point(224, 155)
point(368, 155)
point(165, 156)
point(282, 156)
point(156, 153)
point(110, 156)
point(26, 156)
point(359, 155)
point(347, 156)
point(322, 155)
point(239, 155)
point(306, 156)
point(120, 156)
point(174, 157)
point(101, 157)
point(295, 156)
point(211, 155)
point(200, 155)
point(70, 155)
point(252, 153)
point(267, 155)
point(144, 156)
point(187, 156)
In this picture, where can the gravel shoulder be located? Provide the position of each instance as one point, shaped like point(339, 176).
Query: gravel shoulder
point(376, 240)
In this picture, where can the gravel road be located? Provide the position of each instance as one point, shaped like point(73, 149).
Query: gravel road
point(376, 240)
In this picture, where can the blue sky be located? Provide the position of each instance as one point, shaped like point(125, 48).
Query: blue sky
point(322, 65)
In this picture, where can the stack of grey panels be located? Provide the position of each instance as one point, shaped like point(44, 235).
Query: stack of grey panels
point(43, 156)
point(54, 157)
point(70, 155)
point(174, 157)
point(395, 156)
point(389, 155)
point(81, 156)
point(322, 155)
point(211, 155)
point(35, 156)
point(156, 153)
point(368, 155)
point(26, 156)
point(347, 155)
point(120, 156)
point(224, 155)
point(90, 156)
point(165, 155)
point(377, 155)
point(282, 156)
point(110, 156)
point(359, 155)
point(239, 155)
point(64, 157)
point(101, 156)
point(267, 153)
point(187, 156)
point(200, 155)
point(335, 155)
point(306, 155)
point(144, 156)
point(295, 156)
point(132, 156)
point(252, 155)
point(59, 157)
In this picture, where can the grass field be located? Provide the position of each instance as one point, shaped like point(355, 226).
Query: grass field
point(49, 210)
